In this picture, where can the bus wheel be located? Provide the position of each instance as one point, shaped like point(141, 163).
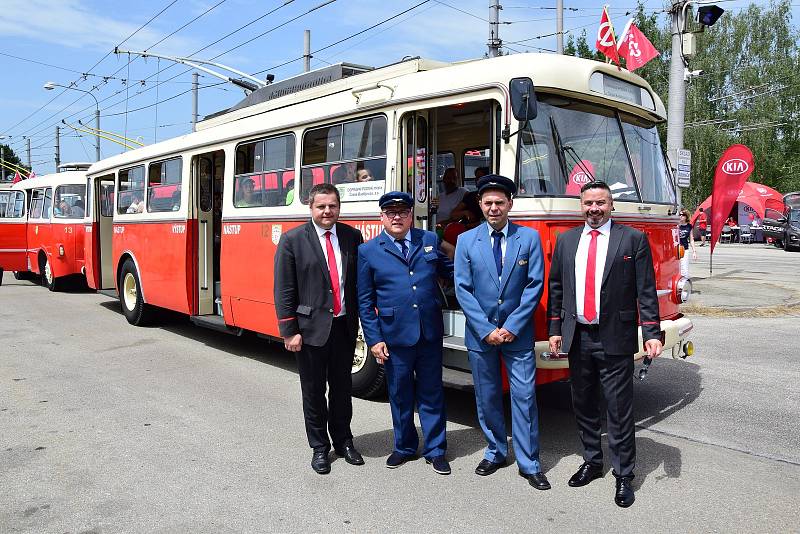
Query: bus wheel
point(130, 295)
point(48, 280)
point(22, 275)
point(369, 377)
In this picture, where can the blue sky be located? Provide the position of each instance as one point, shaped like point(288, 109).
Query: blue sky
point(60, 40)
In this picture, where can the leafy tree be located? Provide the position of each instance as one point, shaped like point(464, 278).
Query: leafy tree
point(10, 158)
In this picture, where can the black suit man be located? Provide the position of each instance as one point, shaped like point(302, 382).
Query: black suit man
point(317, 309)
point(601, 274)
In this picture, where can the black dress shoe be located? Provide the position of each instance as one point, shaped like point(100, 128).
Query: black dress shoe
point(537, 480)
point(440, 464)
point(350, 454)
point(320, 463)
point(396, 459)
point(487, 467)
point(585, 474)
point(624, 496)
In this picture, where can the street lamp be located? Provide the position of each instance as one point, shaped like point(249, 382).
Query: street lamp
point(49, 86)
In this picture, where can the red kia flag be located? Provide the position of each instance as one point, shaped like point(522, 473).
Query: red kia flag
point(17, 178)
point(578, 177)
point(606, 42)
point(733, 170)
point(635, 47)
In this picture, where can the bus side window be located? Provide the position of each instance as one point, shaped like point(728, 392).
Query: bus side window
point(37, 201)
point(164, 186)
point(130, 194)
point(348, 155)
point(265, 173)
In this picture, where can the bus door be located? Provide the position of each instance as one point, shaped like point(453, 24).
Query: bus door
point(13, 238)
point(207, 182)
point(39, 230)
point(99, 228)
point(416, 162)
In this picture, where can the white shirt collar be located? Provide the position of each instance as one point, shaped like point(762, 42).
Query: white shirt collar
point(321, 231)
point(504, 229)
point(605, 229)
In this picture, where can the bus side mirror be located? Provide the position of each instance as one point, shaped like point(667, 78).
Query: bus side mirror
point(523, 99)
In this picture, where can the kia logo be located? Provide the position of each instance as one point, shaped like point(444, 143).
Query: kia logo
point(735, 166)
point(580, 178)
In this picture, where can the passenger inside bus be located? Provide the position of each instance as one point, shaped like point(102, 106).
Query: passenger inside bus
point(289, 193)
point(363, 175)
point(249, 198)
point(137, 205)
point(78, 209)
point(62, 210)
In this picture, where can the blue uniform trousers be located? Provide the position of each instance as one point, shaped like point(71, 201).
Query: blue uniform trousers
point(414, 376)
point(521, 370)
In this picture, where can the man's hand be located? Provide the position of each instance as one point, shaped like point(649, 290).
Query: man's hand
point(380, 351)
point(293, 343)
point(653, 348)
point(555, 344)
point(494, 338)
point(507, 336)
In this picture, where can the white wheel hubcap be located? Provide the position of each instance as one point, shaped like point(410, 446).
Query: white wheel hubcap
point(360, 356)
point(48, 273)
point(129, 291)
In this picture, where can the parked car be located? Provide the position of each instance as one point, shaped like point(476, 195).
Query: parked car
point(784, 228)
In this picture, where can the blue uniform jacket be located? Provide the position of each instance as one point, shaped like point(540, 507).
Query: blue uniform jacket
point(404, 292)
point(489, 303)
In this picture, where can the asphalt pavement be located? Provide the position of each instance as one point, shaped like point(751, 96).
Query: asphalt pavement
point(173, 428)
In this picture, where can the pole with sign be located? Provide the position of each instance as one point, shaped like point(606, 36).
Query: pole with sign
point(683, 173)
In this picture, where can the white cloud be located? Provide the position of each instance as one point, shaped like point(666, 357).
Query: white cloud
point(71, 23)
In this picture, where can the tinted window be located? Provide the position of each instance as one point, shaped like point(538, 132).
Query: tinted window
point(164, 185)
point(70, 202)
point(130, 194)
point(265, 173)
point(350, 155)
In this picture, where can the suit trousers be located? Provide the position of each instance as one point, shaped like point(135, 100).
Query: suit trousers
point(329, 365)
point(592, 369)
point(414, 376)
point(521, 371)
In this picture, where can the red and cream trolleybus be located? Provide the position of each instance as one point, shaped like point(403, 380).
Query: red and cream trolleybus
point(196, 220)
point(42, 226)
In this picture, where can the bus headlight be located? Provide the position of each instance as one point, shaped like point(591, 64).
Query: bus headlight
point(683, 288)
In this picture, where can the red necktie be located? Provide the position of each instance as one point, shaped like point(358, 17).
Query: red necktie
point(589, 307)
point(337, 303)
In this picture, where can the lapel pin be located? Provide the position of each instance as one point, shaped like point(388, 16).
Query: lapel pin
point(428, 248)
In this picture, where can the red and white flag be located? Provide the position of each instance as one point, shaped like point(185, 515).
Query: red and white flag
point(32, 174)
point(17, 178)
point(635, 47)
point(606, 41)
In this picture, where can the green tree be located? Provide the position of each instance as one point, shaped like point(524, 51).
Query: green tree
point(10, 158)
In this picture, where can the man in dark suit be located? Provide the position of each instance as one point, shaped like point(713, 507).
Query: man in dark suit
point(315, 301)
point(601, 275)
point(401, 315)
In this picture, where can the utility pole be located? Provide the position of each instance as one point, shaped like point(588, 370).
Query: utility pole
point(307, 51)
point(58, 148)
point(495, 43)
point(195, 89)
point(560, 26)
point(28, 150)
point(676, 107)
point(3, 160)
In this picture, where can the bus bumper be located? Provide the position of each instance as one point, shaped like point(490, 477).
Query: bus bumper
point(674, 334)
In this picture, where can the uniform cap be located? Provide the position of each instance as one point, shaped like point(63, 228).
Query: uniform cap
point(395, 198)
point(495, 181)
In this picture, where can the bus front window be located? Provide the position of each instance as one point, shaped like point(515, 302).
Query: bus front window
point(571, 143)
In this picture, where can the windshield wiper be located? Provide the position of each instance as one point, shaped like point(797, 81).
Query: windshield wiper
point(563, 150)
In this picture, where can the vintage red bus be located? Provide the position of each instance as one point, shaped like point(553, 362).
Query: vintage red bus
point(42, 229)
point(549, 121)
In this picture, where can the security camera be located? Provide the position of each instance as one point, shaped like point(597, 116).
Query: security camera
point(689, 74)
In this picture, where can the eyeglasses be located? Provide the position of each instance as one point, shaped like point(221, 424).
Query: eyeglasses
point(398, 213)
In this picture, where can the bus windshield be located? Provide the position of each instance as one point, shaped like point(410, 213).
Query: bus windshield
point(571, 143)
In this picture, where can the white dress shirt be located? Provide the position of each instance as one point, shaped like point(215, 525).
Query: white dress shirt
point(503, 241)
point(337, 252)
point(581, 256)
